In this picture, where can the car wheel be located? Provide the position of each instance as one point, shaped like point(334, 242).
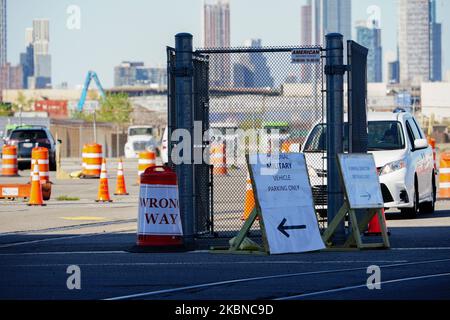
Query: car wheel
point(411, 213)
point(429, 207)
point(52, 164)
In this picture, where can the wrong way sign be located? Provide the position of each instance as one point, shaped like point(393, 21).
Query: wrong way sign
point(285, 198)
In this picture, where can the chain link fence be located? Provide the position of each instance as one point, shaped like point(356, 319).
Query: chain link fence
point(259, 89)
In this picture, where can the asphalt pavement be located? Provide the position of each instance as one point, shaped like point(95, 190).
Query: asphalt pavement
point(38, 245)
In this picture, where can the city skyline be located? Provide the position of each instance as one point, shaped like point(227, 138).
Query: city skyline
point(74, 52)
point(3, 33)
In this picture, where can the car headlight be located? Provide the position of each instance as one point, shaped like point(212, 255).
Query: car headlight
point(392, 167)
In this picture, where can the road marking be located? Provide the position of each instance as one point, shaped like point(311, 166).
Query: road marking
point(61, 253)
point(131, 264)
point(83, 218)
point(289, 275)
point(426, 249)
point(363, 286)
point(16, 244)
point(71, 227)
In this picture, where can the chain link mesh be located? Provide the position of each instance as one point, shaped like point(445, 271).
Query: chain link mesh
point(260, 89)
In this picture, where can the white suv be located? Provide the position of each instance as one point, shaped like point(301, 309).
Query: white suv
point(402, 155)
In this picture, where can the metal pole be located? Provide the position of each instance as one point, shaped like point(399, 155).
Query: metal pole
point(185, 120)
point(334, 71)
point(95, 127)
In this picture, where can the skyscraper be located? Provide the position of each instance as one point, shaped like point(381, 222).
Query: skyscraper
point(42, 58)
point(414, 41)
point(3, 51)
point(371, 39)
point(435, 45)
point(330, 16)
point(216, 34)
point(306, 24)
point(252, 70)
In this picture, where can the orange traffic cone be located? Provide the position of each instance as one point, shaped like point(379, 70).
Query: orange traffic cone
point(36, 198)
point(121, 189)
point(374, 226)
point(103, 189)
point(249, 200)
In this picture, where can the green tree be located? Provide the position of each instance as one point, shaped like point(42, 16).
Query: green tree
point(115, 108)
point(6, 110)
point(23, 102)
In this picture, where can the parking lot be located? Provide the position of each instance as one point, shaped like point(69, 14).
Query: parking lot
point(38, 244)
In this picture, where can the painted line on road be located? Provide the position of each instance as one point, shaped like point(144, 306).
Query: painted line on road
point(149, 264)
point(419, 249)
point(16, 244)
point(305, 295)
point(61, 253)
point(289, 275)
point(71, 227)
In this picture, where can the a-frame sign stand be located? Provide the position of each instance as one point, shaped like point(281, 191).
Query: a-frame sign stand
point(354, 239)
point(358, 227)
point(245, 230)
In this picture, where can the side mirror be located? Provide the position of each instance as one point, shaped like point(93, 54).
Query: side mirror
point(420, 144)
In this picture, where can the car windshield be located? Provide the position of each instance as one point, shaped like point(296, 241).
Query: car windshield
point(28, 134)
point(383, 136)
point(141, 131)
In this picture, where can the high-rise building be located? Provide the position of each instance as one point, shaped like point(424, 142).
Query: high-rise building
point(414, 41)
point(3, 34)
point(27, 62)
point(41, 36)
point(393, 72)
point(11, 77)
point(42, 58)
point(252, 70)
point(371, 39)
point(306, 24)
point(329, 16)
point(28, 36)
point(435, 45)
point(216, 34)
point(130, 73)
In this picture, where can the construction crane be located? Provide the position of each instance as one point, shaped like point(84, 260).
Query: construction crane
point(91, 75)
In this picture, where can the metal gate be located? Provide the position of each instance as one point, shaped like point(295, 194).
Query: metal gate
point(242, 89)
point(201, 172)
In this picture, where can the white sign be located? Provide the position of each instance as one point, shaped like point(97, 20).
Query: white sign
point(10, 192)
point(159, 211)
point(306, 56)
point(361, 181)
point(286, 201)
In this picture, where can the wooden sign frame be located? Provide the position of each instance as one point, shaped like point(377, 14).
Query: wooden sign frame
point(358, 227)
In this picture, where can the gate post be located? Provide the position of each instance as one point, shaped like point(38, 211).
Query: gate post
point(334, 70)
point(185, 120)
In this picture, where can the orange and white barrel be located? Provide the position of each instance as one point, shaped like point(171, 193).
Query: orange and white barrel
point(444, 176)
point(40, 154)
point(9, 161)
point(249, 204)
point(290, 147)
point(218, 158)
point(92, 160)
point(432, 143)
point(147, 159)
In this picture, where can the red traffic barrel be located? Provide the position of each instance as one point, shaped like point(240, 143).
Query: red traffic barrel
point(159, 220)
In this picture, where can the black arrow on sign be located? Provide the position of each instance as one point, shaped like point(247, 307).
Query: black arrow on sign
point(282, 228)
point(367, 195)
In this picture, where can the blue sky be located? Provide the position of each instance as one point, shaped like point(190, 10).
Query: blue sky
point(115, 30)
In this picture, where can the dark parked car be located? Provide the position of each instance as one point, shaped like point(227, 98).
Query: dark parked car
point(27, 138)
